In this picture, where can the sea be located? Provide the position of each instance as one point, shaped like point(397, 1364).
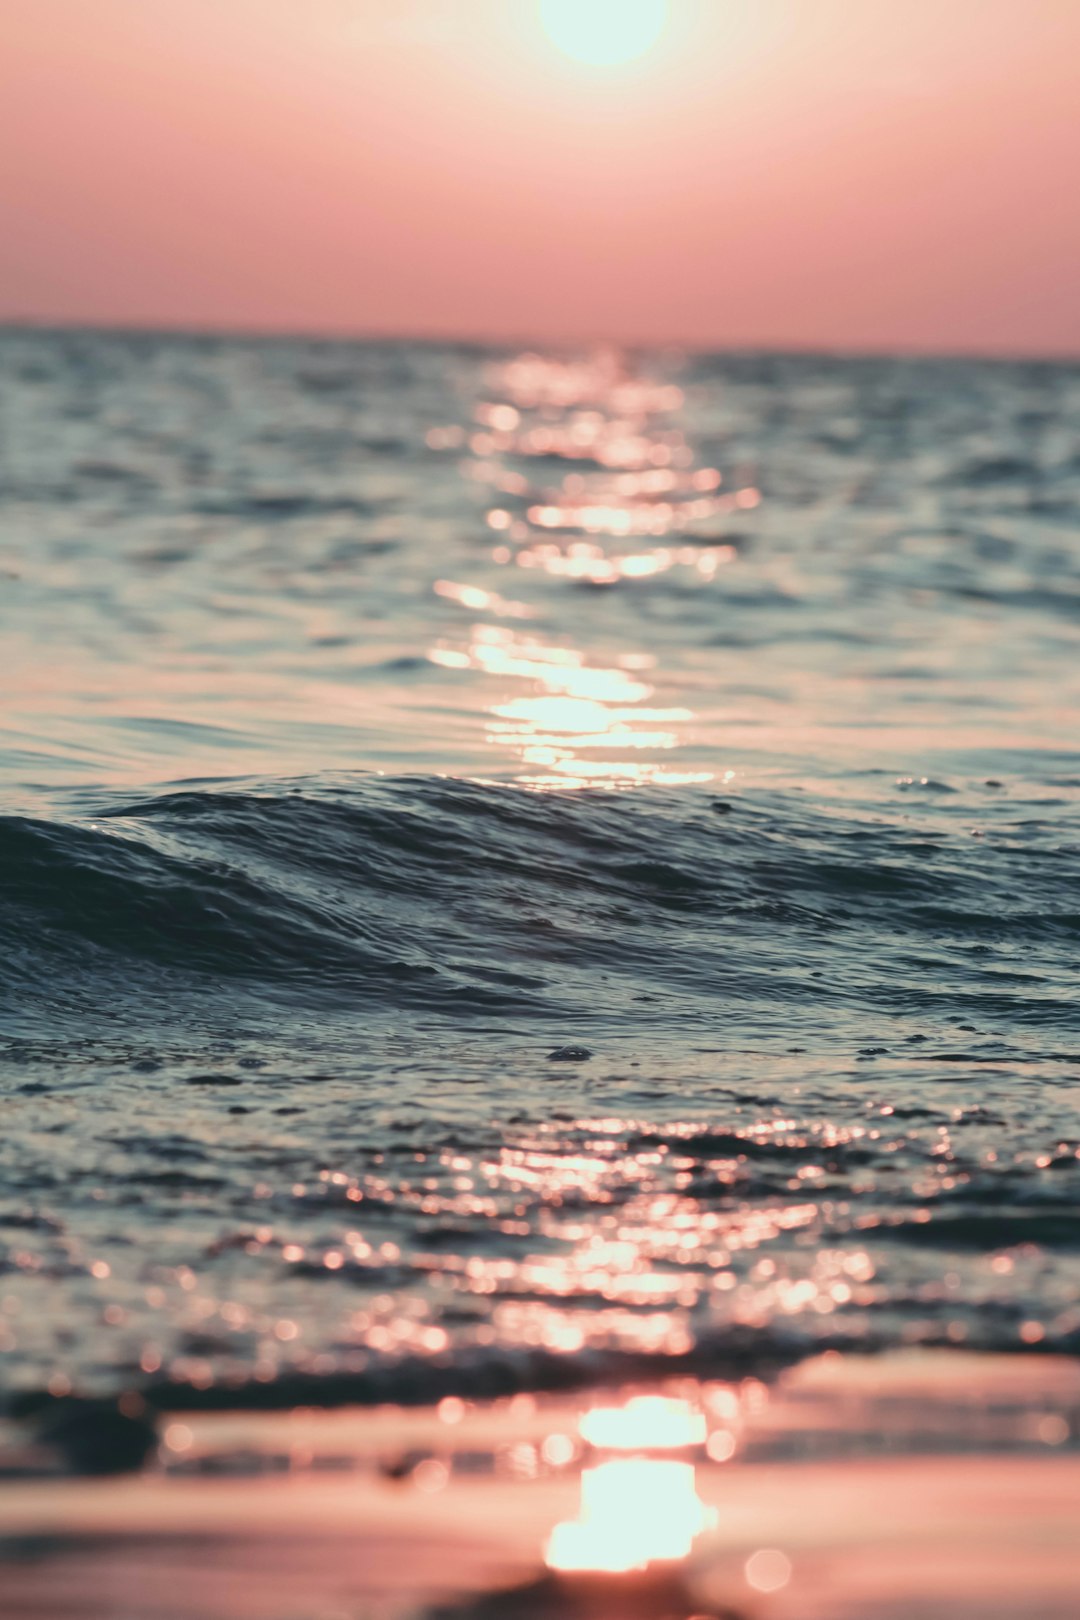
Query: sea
point(528, 870)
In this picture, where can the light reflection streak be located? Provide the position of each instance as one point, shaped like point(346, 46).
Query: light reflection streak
point(478, 600)
point(618, 1252)
point(645, 1423)
point(626, 1240)
point(579, 708)
point(634, 1512)
point(636, 1509)
point(589, 465)
point(590, 564)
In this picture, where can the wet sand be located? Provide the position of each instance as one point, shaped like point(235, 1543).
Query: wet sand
point(931, 1486)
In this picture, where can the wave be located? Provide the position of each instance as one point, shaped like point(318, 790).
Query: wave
point(767, 915)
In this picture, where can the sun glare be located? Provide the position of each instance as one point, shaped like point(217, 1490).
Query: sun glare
point(604, 33)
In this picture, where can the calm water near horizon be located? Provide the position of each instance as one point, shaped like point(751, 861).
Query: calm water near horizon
point(382, 719)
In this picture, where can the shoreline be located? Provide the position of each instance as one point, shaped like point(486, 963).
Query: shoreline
point(928, 1478)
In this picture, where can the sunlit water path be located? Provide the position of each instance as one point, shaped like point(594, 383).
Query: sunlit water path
point(382, 720)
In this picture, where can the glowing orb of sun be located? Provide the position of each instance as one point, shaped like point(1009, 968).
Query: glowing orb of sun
point(604, 33)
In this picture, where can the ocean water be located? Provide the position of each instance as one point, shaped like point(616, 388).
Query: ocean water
point(528, 869)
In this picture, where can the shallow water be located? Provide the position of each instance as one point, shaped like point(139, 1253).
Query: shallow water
point(871, 1488)
point(382, 719)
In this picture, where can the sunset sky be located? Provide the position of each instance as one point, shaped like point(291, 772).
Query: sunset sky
point(839, 173)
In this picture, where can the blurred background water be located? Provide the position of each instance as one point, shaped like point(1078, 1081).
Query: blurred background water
point(382, 719)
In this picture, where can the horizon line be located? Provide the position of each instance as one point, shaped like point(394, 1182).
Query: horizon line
point(435, 338)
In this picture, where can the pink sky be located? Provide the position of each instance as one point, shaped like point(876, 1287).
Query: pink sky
point(839, 173)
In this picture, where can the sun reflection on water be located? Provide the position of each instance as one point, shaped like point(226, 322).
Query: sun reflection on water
point(645, 1423)
point(574, 712)
point(594, 484)
point(636, 1509)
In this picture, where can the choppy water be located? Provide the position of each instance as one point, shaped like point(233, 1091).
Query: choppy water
point(381, 719)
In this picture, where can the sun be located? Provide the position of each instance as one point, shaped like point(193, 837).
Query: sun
point(604, 33)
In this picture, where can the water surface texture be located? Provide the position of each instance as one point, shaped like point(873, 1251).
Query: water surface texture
point(520, 869)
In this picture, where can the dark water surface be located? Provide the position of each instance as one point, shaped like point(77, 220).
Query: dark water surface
point(381, 719)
